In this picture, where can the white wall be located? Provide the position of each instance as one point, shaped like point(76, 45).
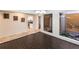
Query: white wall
point(36, 22)
point(8, 26)
point(56, 27)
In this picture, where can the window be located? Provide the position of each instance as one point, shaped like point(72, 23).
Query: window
point(70, 25)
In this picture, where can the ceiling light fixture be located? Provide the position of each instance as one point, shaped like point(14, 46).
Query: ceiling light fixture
point(40, 12)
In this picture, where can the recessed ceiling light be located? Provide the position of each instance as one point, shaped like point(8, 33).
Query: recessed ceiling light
point(40, 12)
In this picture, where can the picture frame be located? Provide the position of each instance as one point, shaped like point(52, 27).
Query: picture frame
point(15, 18)
point(22, 19)
point(6, 15)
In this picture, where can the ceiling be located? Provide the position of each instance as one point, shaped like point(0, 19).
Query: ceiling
point(34, 11)
point(70, 11)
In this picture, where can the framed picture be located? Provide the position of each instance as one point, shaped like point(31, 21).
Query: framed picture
point(22, 19)
point(15, 18)
point(6, 15)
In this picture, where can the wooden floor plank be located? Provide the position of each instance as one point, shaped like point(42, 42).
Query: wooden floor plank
point(38, 41)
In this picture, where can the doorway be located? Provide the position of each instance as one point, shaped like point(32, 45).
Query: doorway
point(39, 20)
point(48, 22)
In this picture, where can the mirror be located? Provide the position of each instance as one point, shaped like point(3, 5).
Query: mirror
point(48, 22)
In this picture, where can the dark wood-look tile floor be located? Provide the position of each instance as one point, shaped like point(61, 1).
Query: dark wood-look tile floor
point(38, 41)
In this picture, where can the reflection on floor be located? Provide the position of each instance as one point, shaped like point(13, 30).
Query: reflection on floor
point(37, 41)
